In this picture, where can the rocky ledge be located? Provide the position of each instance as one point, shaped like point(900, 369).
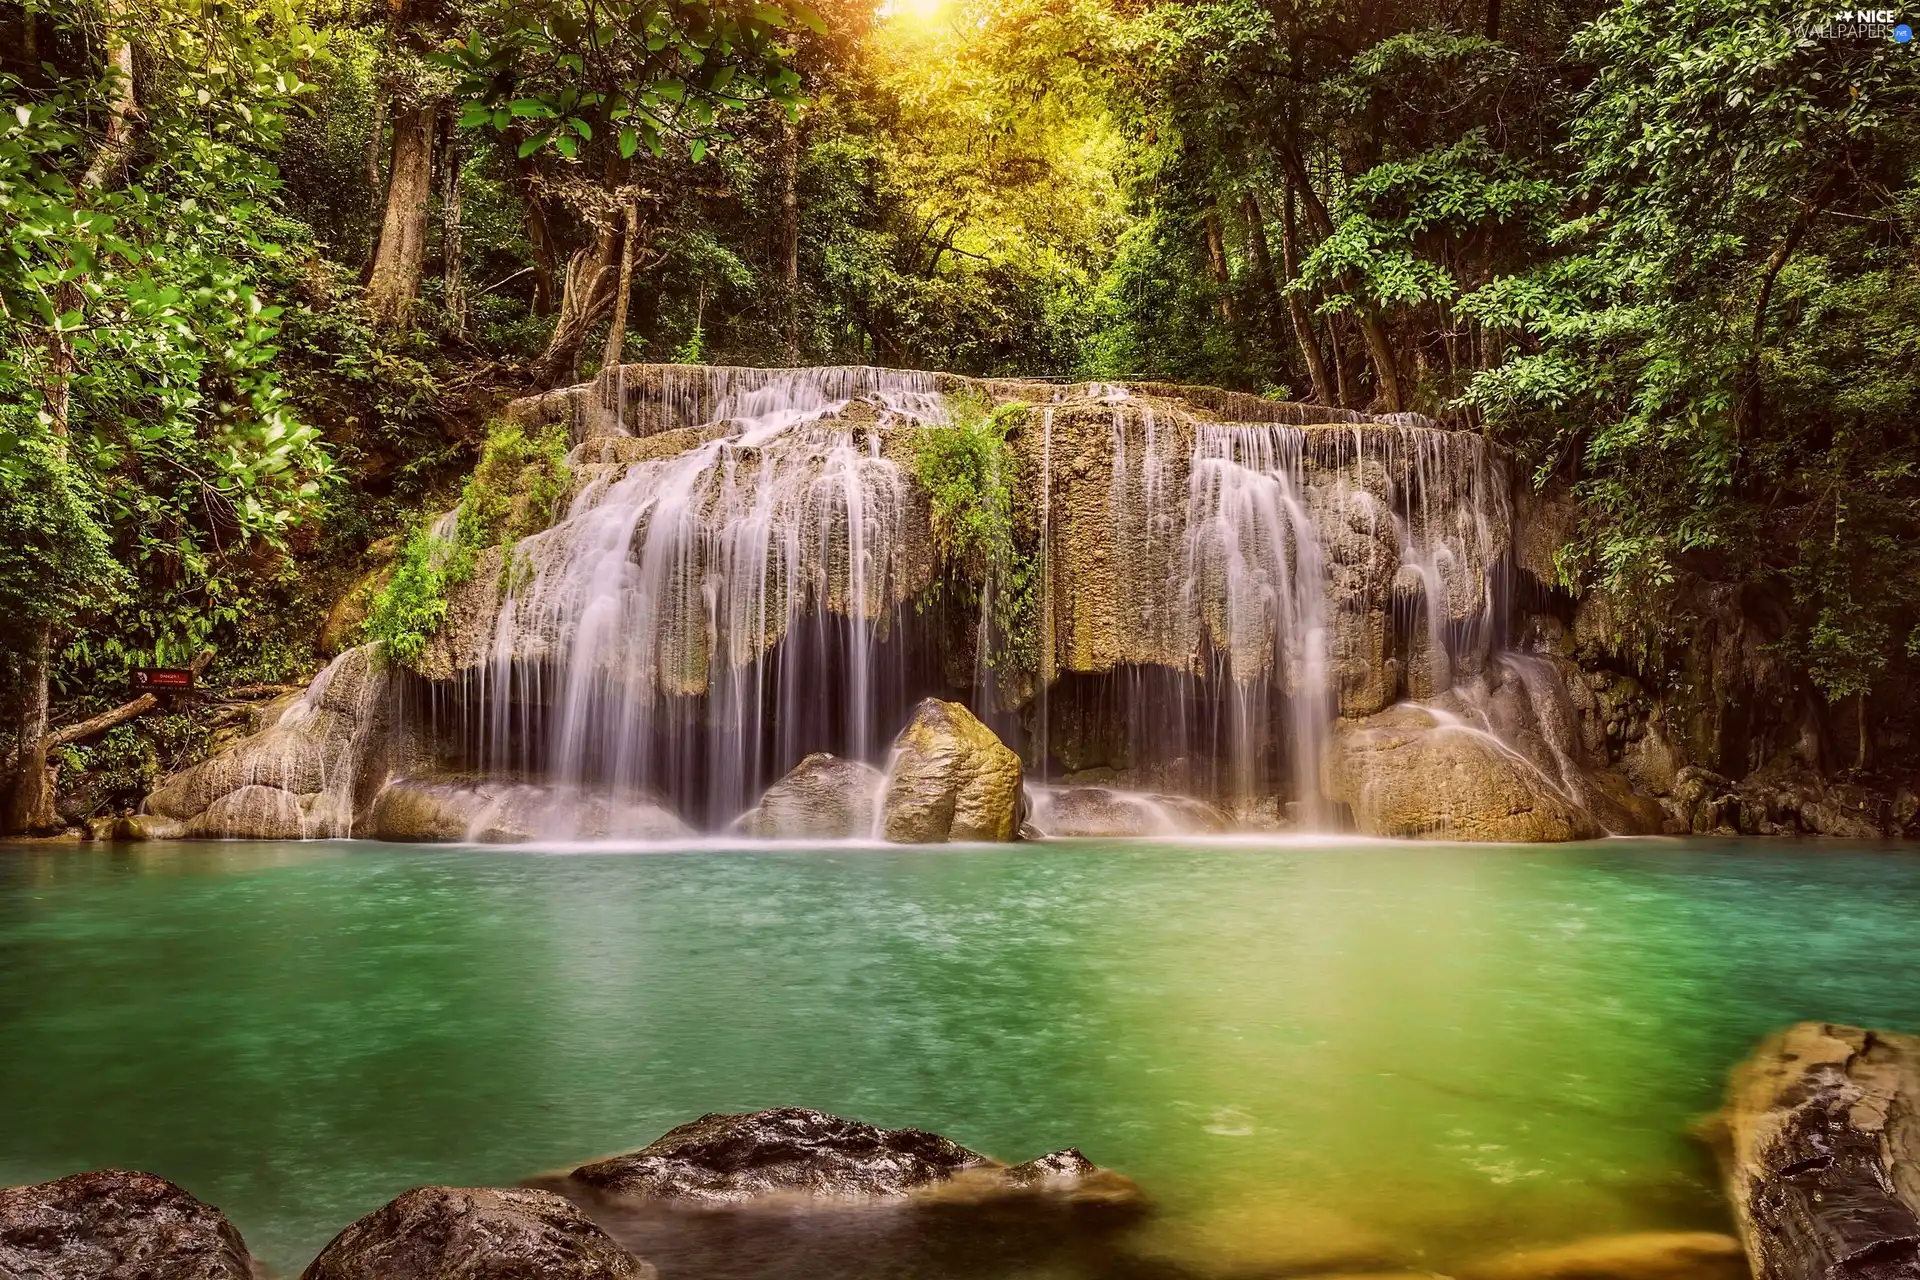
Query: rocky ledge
point(1820, 1145)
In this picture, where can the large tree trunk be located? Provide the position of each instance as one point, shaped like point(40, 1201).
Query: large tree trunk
point(539, 237)
point(453, 285)
point(588, 291)
point(788, 245)
point(30, 797)
point(123, 110)
point(394, 284)
point(376, 177)
point(1386, 372)
point(1217, 263)
point(1296, 306)
point(617, 327)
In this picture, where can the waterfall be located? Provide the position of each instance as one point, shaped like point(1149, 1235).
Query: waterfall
point(633, 653)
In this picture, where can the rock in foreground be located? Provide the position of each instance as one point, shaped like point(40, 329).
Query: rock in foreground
point(951, 779)
point(726, 1159)
point(113, 1223)
point(1822, 1154)
point(443, 1233)
point(823, 798)
point(723, 1159)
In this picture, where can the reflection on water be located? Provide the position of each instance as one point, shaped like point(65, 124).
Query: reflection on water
point(1311, 1057)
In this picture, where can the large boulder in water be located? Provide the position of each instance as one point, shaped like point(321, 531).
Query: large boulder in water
point(951, 779)
point(1821, 1153)
point(114, 1223)
point(1420, 771)
point(823, 798)
point(438, 1233)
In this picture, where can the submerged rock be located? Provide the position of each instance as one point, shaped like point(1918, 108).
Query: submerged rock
point(115, 1223)
point(455, 807)
point(1645, 1255)
point(438, 1233)
point(795, 1152)
point(823, 798)
point(951, 779)
point(726, 1159)
point(1821, 1152)
point(1105, 811)
point(1411, 772)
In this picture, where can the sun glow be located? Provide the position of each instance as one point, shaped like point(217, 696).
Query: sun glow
point(912, 10)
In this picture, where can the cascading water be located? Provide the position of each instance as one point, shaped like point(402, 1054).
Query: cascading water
point(633, 651)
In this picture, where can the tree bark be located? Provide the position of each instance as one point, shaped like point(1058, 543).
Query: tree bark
point(1296, 305)
point(1493, 19)
point(788, 244)
point(453, 284)
point(123, 110)
point(1386, 372)
point(539, 237)
point(584, 298)
point(29, 798)
point(394, 284)
point(376, 178)
point(617, 327)
point(1217, 263)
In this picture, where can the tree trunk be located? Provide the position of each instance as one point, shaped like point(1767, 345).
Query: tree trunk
point(376, 179)
point(1217, 262)
point(539, 237)
point(394, 284)
point(617, 327)
point(1339, 363)
point(788, 245)
point(583, 299)
point(30, 799)
point(1493, 19)
point(123, 110)
point(453, 286)
point(1296, 305)
point(1379, 350)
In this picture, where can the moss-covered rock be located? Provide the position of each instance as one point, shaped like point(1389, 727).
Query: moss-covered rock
point(951, 779)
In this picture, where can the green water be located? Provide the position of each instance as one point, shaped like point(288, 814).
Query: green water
point(1309, 1055)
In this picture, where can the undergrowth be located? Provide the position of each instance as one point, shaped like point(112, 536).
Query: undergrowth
point(516, 490)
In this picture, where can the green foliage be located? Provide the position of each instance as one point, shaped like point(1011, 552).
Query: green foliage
point(970, 473)
point(515, 491)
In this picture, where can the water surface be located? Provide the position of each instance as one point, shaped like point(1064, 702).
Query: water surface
point(1311, 1055)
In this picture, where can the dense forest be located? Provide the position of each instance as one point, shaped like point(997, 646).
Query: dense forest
point(270, 266)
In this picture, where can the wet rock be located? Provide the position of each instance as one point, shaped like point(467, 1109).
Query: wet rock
point(1105, 811)
point(951, 779)
point(439, 1233)
point(303, 774)
point(823, 798)
point(118, 1224)
point(1648, 1255)
point(487, 810)
point(1410, 772)
point(1821, 1153)
point(728, 1159)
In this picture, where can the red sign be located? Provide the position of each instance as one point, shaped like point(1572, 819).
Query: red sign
point(162, 679)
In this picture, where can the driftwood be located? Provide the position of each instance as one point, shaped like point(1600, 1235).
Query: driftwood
point(1821, 1154)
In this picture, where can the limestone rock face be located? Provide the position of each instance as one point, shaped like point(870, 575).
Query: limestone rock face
point(823, 798)
point(1104, 811)
point(437, 1233)
point(951, 779)
point(728, 1159)
point(1409, 772)
point(1822, 1154)
point(441, 807)
point(303, 774)
point(114, 1223)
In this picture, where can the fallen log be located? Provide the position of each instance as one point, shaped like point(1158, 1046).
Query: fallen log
point(1821, 1154)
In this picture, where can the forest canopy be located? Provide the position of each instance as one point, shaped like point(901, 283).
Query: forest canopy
point(269, 265)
